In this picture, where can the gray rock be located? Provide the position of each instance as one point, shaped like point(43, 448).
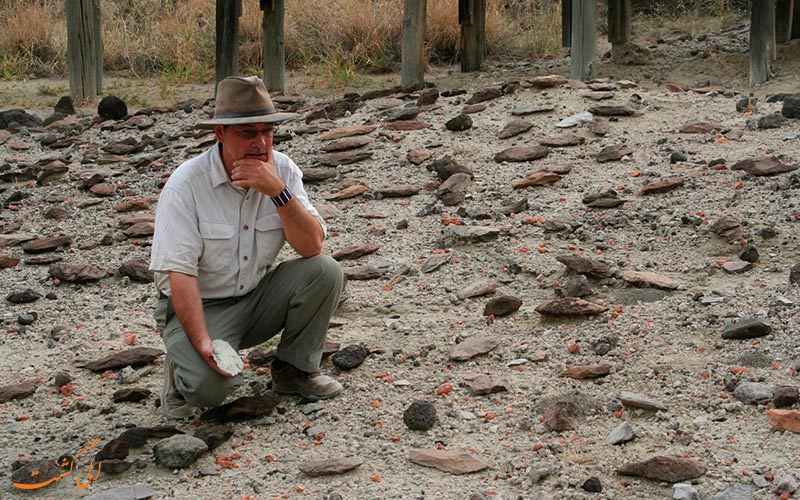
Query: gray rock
point(576, 120)
point(537, 472)
point(622, 434)
point(785, 396)
point(578, 286)
point(684, 491)
point(737, 266)
point(775, 120)
point(791, 106)
point(748, 328)
point(634, 400)
point(786, 484)
point(459, 123)
point(752, 393)
point(760, 481)
point(740, 492)
point(179, 451)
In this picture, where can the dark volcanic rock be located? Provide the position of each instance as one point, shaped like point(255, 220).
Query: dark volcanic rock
point(137, 270)
point(485, 95)
point(112, 108)
point(350, 357)
point(420, 415)
point(178, 452)
point(791, 106)
point(131, 357)
point(131, 395)
point(459, 123)
point(115, 449)
point(242, 408)
point(214, 435)
point(19, 116)
point(662, 468)
point(65, 106)
point(727, 228)
point(24, 297)
point(593, 485)
point(447, 166)
point(785, 396)
point(501, 306)
point(136, 437)
point(747, 329)
point(794, 274)
point(613, 153)
point(35, 472)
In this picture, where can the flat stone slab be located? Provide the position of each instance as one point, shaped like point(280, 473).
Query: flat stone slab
point(613, 153)
point(514, 128)
point(635, 400)
point(548, 81)
point(131, 357)
point(665, 468)
point(242, 408)
point(522, 153)
point(339, 133)
point(348, 192)
point(661, 186)
point(784, 420)
point(331, 466)
point(483, 385)
point(749, 328)
point(17, 391)
point(478, 289)
point(454, 462)
point(473, 347)
point(345, 144)
point(582, 265)
point(49, 244)
point(530, 109)
point(648, 279)
point(434, 262)
point(612, 110)
point(562, 141)
point(586, 372)
point(344, 158)
point(570, 307)
point(537, 179)
point(355, 251)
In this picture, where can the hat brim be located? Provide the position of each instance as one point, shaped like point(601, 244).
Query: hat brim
point(270, 118)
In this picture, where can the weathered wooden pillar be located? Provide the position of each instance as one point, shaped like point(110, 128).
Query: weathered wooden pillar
point(784, 13)
point(796, 21)
point(227, 42)
point(273, 50)
point(84, 49)
point(584, 18)
point(762, 37)
point(566, 23)
point(619, 23)
point(472, 17)
point(413, 44)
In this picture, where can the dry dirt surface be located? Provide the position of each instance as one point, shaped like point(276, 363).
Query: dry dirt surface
point(454, 252)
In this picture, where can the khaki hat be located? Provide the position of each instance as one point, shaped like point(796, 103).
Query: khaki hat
point(242, 100)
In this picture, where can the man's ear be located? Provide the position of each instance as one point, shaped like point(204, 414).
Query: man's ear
point(218, 132)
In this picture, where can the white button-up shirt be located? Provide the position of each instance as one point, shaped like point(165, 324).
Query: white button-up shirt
point(225, 236)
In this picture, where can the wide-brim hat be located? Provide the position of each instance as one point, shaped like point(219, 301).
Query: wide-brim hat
point(242, 100)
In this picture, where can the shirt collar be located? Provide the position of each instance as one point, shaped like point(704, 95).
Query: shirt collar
point(218, 174)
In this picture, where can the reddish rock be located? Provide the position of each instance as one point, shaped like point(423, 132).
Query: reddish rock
point(242, 408)
point(341, 132)
point(515, 127)
point(77, 273)
point(406, 125)
point(17, 391)
point(661, 186)
point(502, 306)
point(548, 81)
point(586, 372)
point(418, 156)
point(103, 189)
point(434, 262)
point(485, 95)
point(613, 153)
point(784, 420)
point(398, 191)
point(131, 357)
point(570, 307)
point(47, 244)
point(473, 347)
point(561, 416)
point(647, 279)
point(537, 179)
point(488, 384)
point(562, 141)
point(355, 251)
point(344, 158)
point(133, 205)
point(454, 462)
point(7, 262)
point(582, 265)
point(470, 109)
point(345, 144)
point(330, 466)
point(349, 192)
point(663, 468)
point(699, 128)
point(522, 153)
point(612, 110)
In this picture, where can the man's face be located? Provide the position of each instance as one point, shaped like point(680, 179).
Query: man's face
point(245, 141)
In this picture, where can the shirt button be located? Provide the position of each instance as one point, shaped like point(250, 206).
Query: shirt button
point(245, 257)
point(241, 287)
point(246, 227)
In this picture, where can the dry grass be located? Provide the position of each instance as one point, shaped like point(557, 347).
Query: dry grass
point(338, 40)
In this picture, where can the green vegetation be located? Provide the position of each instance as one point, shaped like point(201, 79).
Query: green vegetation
point(337, 41)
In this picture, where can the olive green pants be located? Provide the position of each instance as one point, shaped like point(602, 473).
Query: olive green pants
point(298, 296)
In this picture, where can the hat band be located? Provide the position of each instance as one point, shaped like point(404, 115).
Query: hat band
point(245, 114)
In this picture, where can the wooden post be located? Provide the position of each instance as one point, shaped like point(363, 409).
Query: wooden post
point(784, 13)
point(584, 17)
point(273, 50)
point(762, 36)
point(566, 23)
point(413, 44)
point(796, 21)
point(472, 17)
point(227, 42)
point(619, 21)
point(84, 49)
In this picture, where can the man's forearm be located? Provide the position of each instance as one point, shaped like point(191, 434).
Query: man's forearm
point(303, 232)
point(189, 308)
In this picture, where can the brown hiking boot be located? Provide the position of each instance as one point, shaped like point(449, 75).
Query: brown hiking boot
point(286, 379)
point(173, 405)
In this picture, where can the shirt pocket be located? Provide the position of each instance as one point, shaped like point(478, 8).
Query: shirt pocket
point(269, 239)
point(219, 247)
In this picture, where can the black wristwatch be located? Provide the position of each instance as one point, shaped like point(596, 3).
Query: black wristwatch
point(283, 197)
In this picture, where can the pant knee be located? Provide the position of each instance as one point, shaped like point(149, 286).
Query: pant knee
point(208, 392)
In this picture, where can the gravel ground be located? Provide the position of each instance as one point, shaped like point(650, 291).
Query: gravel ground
point(665, 345)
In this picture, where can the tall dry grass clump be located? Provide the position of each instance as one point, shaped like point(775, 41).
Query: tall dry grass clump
point(33, 38)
